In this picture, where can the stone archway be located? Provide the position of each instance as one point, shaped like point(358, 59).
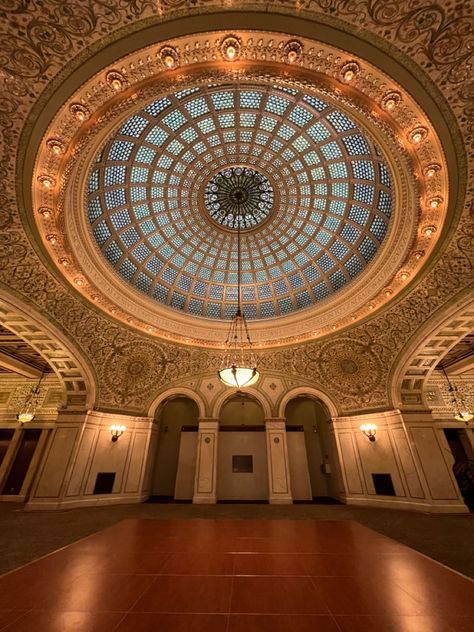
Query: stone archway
point(420, 358)
point(312, 448)
point(72, 369)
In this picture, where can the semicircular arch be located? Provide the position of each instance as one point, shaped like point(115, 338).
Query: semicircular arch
point(420, 357)
point(306, 391)
point(69, 364)
point(251, 392)
point(177, 391)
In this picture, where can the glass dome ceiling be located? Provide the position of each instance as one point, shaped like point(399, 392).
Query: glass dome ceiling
point(325, 216)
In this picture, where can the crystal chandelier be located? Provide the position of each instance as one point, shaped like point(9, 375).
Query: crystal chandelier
point(239, 365)
point(461, 412)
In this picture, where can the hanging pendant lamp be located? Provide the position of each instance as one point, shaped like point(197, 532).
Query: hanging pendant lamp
point(461, 412)
point(239, 365)
point(28, 410)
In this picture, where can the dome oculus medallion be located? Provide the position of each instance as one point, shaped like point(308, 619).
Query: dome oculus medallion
point(312, 191)
point(238, 196)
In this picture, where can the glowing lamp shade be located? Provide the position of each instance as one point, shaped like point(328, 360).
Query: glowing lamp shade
point(238, 376)
point(117, 430)
point(369, 430)
point(25, 417)
point(463, 415)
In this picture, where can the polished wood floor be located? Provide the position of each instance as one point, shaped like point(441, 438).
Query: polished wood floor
point(236, 576)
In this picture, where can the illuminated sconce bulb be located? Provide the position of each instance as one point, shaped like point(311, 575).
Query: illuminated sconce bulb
point(80, 112)
point(334, 327)
point(353, 318)
point(388, 292)
point(55, 146)
point(391, 100)
point(230, 47)
point(431, 170)
point(435, 202)
point(115, 80)
point(96, 298)
point(428, 231)
point(293, 50)
point(79, 282)
point(349, 75)
point(64, 262)
point(404, 276)
point(369, 430)
point(150, 329)
point(371, 306)
point(46, 181)
point(117, 430)
point(418, 134)
point(52, 239)
point(231, 52)
point(169, 56)
point(45, 212)
point(418, 254)
point(349, 71)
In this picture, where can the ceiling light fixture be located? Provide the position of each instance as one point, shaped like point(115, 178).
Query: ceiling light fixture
point(231, 47)
point(28, 410)
point(461, 412)
point(239, 366)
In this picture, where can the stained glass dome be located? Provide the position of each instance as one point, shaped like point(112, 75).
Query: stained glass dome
point(164, 192)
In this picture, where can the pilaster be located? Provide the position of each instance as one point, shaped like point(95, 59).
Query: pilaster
point(278, 464)
point(205, 482)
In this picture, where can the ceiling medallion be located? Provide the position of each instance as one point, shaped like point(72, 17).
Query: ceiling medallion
point(238, 197)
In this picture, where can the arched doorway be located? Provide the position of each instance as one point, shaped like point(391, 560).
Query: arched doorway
point(175, 455)
point(242, 473)
point(308, 421)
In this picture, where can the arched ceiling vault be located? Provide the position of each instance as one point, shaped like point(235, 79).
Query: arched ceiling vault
point(354, 359)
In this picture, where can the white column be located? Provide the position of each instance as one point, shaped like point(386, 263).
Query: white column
point(205, 481)
point(278, 465)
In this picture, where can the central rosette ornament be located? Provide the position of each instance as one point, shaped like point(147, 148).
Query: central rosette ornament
point(238, 195)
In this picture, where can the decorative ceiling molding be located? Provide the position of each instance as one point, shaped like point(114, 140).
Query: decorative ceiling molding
point(38, 39)
point(408, 139)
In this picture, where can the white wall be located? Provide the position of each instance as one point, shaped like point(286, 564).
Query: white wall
point(79, 448)
point(184, 488)
point(242, 486)
point(410, 450)
point(299, 473)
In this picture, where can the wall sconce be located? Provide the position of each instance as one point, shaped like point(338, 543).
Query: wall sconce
point(117, 431)
point(370, 430)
